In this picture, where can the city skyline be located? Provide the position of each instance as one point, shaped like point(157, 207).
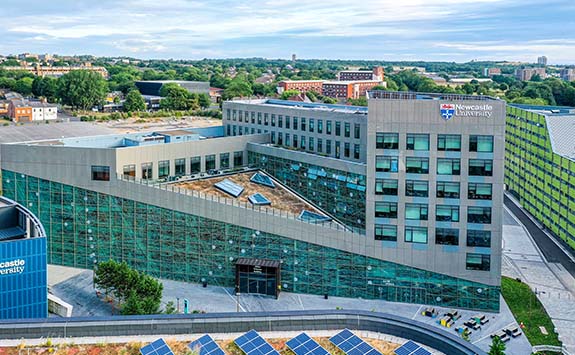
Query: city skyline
point(448, 30)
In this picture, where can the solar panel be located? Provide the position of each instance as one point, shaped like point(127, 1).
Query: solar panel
point(262, 179)
point(259, 199)
point(411, 348)
point(158, 347)
point(313, 217)
point(351, 344)
point(205, 346)
point(304, 345)
point(252, 343)
point(229, 187)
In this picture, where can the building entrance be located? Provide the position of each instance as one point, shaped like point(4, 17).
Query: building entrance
point(258, 276)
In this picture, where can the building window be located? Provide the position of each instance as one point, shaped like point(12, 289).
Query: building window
point(295, 126)
point(295, 141)
point(449, 142)
point(311, 144)
point(447, 236)
point(287, 122)
point(280, 138)
point(195, 164)
point(416, 235)
point(302, 145)
point(163, 169)
point(328, 127)
point(346, 149)
point(446, 166)
point(147, 170)
point(273, 137)
point(476, 191)
point(386, 209)
point(100, 173)
point(229, 114)
point(480, 167)
point(273, 120)
point(259, 118)
point(180, 165)
point(288, 141)
point(387, 140)
point(416, 211)
point(320, 126)
point(447, 189)
point(416, 188)
point(478, 238)
point(386, 164)
point(240, 116)
point(130, 171)
point(228, 130)
point(311, 125)
point(337, 149)
point(253, 116)
point(385, 232)
point(447, 213)
point(303, 125)
point(238, 159)
point(416, 165)
point(481, 215)
point(346, 129)
point(417, 141)
point(234, 115)
point(224, 160)
point(280, 121)
point(338, 128)
point(356, 130)
point(328, 147)
point(266, 119)
point(210, 162)
point(386, 187)
point(476, 261)
point(356, 151)
point(482, 144)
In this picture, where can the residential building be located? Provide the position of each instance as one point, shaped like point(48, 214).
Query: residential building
point(412, 216)
point(568, 74)
point(377, 74)
point(349, 89)
point(491, 71)
point(542, 60)
point(302, 86)
point(525, 74)
point(540, 165)
point(42, 70)
point(23, 265)
point(22, 110)
point(4, 104)
point(216, 94)
point(154, 87)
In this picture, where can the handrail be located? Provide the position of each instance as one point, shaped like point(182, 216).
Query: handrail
point(554, 348)
point(281, 321)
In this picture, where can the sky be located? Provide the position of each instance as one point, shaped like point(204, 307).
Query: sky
point(391, 30)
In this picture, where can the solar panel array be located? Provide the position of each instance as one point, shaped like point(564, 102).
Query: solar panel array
point(313, 217)
point(229, 187)
point(205, 346)
point(262, 179)
point(411, 348)
point(303, 344)
point(158, 347)
point(259, 199)
point(351, 344)
point(252, 343)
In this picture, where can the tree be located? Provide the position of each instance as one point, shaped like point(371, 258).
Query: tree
point(24, 86)
point(82, 89)
point(176, 97)
point(289, 93)
point(134, 102)
point(238, 87)
point(45, 87)
point(497, 347)
point(204, 100)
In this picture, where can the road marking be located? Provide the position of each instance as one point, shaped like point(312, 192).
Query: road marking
point(235, 300)
point(416, 313)
point(488, 335)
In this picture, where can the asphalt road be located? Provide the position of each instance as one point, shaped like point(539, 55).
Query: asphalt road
point(550, 250)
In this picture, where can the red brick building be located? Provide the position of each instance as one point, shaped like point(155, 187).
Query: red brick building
point(348, 89)
point(354, 75)
point(302, 86)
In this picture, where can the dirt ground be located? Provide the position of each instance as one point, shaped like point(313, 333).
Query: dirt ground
point(134, 125)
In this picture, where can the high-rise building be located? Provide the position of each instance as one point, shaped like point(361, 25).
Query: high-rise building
point(568, 74)
point(540, 165)
point(542, 60)
point(399, 201)
point(491, 71)
point(23, 267)
point(525, 74)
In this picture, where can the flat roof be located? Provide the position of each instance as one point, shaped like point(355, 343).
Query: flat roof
point(348, 82)
point(306, 105)
point(409, 95)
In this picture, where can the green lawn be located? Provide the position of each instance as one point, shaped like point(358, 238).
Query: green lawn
point(526, 308)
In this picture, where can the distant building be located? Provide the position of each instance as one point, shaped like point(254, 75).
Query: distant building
point(542, 60)
point(25, 56)
point(568, 74)
point(42, 70)
point(21, 110)
point(526, 74)
point(216, 94)
point(293, 57)
point(153, 87)
point(152, 102)
point(348, 89)
point(491, 71)
point(4, 107)
point(348, 75)
point(302, 86)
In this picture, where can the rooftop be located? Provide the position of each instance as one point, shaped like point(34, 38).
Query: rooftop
point(307, 105)
point(347, 82)
point(408, 95)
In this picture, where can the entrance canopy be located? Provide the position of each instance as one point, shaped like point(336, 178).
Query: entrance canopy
point(260, 276)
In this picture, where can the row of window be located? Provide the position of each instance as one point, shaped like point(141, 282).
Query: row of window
point(444, 189)
point(295, 123)
point(102, 173)
point(443, 213)
point(445, 166)
point(443, 236)
point(445, 142)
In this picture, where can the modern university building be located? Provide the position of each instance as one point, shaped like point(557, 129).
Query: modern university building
point(400, 201)
point(23, 267)
point(540, 165)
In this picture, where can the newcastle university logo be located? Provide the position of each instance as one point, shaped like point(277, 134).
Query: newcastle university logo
point(447, 111)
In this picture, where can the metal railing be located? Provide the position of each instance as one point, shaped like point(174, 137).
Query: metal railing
point(410, 95)
point(553, 348)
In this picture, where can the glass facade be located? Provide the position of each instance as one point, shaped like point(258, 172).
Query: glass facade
point(340, 193)
point(543, 181)
point(84, 227)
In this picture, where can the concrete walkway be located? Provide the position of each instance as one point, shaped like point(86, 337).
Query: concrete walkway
point(553, 284)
